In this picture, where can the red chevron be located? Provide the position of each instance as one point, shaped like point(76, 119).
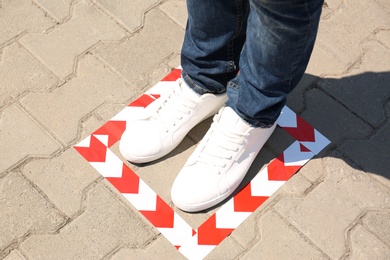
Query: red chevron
point(209, 234)
point(162, 217)
point(304, 132)
point(114, 130)
point(128, 183)
point(144, 100)
point(277, 171)
point(96, 152)
point(303, 148)
point(245, 202)
point(173, 76)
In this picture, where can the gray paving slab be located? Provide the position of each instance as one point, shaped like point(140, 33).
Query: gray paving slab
point(69, 175)
point(363, 90)
point(176, 10)
point(15, 255)
point(24, 211)
point(22, 137)
point(105, 225)
point(120, 10)
point(371, 154)
point(364, 245)
point(154, 41)
point(93, 85)
point(280, 241)
point(336, 202)
point(19, 16)
point(60, 10)
point(73, 38)
point(19, 73)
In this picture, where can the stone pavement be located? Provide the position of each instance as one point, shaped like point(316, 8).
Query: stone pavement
point(66, 67)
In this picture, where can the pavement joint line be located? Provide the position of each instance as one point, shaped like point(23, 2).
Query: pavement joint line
point(109, 66)
point(42, 63)
point(47, 14)
point(113, 18)
point(128, 207)
point(369, 210)
point(347, 234)
point(330, 95)
point(299, 232)
point(44, 128)
point(47, 199)
point(170, 18)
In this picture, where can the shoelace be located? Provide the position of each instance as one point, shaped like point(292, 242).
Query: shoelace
point(175, 107)
point(221, 147)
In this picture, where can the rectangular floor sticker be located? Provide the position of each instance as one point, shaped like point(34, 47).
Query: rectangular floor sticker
point(198, 243)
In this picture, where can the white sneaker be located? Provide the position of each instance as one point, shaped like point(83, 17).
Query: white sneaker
point(167, 122)
point(219, 163)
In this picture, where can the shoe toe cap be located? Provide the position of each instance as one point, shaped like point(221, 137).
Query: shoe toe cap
point(140, 142)
point(194, 191)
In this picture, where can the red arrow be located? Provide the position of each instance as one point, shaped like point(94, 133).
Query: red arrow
point(245, 202)
point(162, 217)
point(128, 183)
point(304, 132)
point(144, 100)
point(96, 152)
point(278, 171)
point(173, 76)
point(114, 131)
point(209, 234)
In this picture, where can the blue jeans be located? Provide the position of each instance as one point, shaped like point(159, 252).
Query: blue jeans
point(256, 50)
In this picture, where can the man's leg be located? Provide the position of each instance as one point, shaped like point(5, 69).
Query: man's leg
point(279, 40)
point(213, 41)
point(214, 37)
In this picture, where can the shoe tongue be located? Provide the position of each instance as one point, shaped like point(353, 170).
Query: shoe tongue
point(188, 92)
point(229, 120)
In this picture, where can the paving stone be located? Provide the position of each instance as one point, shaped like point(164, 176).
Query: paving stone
point(176, 10)
point(227, 249)
point(248, 232)
point(22, 137)
point(371, 154)
point(62, 109)
point(131, 16)
point(87, 27)
point(58, 9)
point(106, 224)
point(323, 61)
point(332, 119)
point(384, 3)
point(23, 211)
point(365, 88)
point(18, 16)
point(63, 179)
point(366, 246)
point(379, 223)
point(334, 51)
point(335, 203)
point(15, 255)
point(279, 241)
point(20, 73)
point(295, 100)
point(157, 249)
point(158, 40)
point(313, 170)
